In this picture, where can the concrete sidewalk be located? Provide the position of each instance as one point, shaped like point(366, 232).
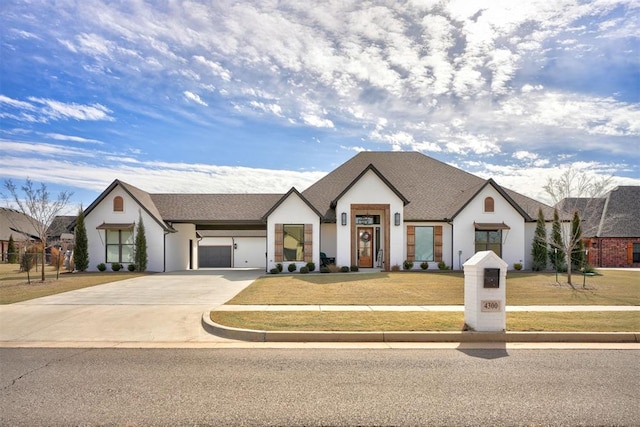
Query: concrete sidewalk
point(456, 308)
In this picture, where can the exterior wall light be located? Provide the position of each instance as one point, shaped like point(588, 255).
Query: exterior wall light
point(397, 218)
point(343, 218)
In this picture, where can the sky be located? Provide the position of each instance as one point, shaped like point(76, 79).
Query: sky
point(260, 96)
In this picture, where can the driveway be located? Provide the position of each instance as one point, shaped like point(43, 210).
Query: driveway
point(164, 307)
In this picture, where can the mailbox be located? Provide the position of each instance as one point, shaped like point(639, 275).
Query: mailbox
point(491, 277)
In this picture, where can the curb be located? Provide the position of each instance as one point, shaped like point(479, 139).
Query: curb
point(253, 335)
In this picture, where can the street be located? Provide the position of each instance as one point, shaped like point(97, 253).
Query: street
point(135, 387)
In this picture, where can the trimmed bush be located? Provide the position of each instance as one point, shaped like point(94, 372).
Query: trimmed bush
point(517, 266)
point(131, 267)
point(304, 270)
point(442, 266)
point(395, 267)
point(407, 265)
point(311, 266)
point(324, 269)
point(116, 266)
point(274, 270)
point(354, 268)
point(344, 269)
point(424, 265)
point(101, 266)
point(279, 267)
point(292, 267)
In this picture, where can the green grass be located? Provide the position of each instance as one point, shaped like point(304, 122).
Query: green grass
point(15, 288)
point(430, 288)
point(616, 321)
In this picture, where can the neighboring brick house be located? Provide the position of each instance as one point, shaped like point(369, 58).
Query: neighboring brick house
point(611, 228)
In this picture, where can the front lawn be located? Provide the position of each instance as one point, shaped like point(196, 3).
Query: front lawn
point(608, 287)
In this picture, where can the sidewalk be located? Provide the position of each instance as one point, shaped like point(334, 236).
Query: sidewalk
point(460, 308)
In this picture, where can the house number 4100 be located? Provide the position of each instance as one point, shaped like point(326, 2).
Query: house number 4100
point(490, 305)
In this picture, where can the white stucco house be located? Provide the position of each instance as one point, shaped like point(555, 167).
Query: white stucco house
point(375, 211)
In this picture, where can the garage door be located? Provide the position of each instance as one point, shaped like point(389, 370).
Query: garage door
point(214, 256)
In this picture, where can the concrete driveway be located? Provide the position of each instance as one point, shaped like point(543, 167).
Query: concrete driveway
point(158, 308)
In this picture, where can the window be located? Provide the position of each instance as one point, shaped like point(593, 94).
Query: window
point(636, 253)
point(488, 204)
point(489, 240)
point(424, 244)
point(293, 242)
point(119, 245)
point(118, 204)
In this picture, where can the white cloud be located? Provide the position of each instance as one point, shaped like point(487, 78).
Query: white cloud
point(195, 98)
point(316, 121)
point(60, 137)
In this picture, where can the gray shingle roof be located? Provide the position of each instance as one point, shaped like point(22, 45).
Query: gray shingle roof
point(621, 216)
point(11, 220)
point(201, 208)
point(435, 190)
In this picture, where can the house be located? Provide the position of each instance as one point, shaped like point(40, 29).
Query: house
point(611, 227)
point(376, 210)
point(16, 224)
point(59, 234)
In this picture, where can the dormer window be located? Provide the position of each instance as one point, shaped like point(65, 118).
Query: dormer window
point(488, 204)
point(118, 204)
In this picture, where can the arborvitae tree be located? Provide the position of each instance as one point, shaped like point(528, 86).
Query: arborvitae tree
point(140, 252)
point(539, 250)
point(12, 251)
point(81, 250)
point(556, 254)
point(577, 252)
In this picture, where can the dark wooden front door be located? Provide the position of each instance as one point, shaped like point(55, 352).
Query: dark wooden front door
point(365, 247)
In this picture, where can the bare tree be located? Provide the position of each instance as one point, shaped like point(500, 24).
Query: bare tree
point(37, 205)
point(576, 191)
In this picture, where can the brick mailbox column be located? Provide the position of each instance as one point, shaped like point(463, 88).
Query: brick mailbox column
point(485, 278)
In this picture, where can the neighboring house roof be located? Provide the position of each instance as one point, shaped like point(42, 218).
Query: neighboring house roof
point(615, 215)
point(435, 190)
point(13, 222)
point(621, 216)
point(61, 225)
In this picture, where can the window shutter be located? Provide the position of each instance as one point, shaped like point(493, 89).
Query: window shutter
point(411, 242)
point(308, 242)
point(279, 243)
point(437, 231)
point(630, 253)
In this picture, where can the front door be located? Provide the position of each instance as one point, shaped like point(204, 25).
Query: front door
point(365, 247)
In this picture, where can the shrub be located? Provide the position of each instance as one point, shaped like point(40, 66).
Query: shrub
point(116, 266)
point(304, 270)
point(344, 269)
point(274, 270)
point(311, 266)
point(588, 268)
point(354, 268)
point(292, 267)
point(324, 269)
point(101, 266)
point(131, 267)
point(333, 268)
point(424, 265)
point(442, 266)
point(407, 265)
point(279, 267)
point(517, 266)
point(395, 267)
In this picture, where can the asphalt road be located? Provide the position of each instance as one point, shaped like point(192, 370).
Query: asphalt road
point(135, 387)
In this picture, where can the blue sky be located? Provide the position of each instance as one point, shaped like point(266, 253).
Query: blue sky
point(224, 96)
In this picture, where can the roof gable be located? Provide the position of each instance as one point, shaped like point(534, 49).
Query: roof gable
point(382, 178)
point(142, 198)
point(503, 193)
point(285, 197)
